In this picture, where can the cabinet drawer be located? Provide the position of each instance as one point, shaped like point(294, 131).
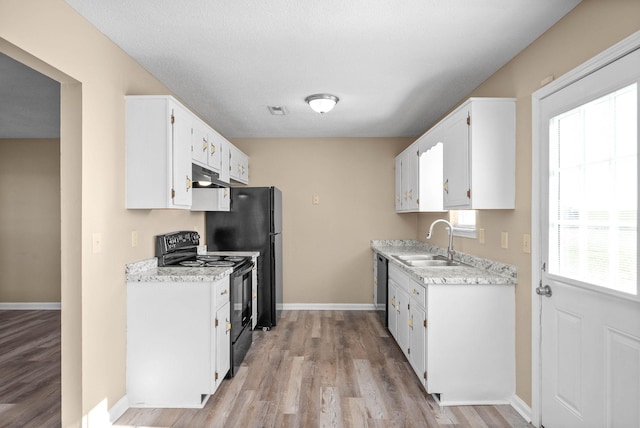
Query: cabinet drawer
point(418, 293)
point(222, 293)
point(399, 277)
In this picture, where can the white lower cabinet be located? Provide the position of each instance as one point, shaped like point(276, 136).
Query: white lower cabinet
point(417, 336)
point(221, 335)
point(458, 338)
point(174, 349)
point(402, 337)
point(392, 313)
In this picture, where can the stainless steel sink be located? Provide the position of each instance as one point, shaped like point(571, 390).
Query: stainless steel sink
point(431, 263)
point(406, 258)
point(425, 260)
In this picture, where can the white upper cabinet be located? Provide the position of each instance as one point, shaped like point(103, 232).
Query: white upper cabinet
point(238, 165)
point(158, 153)
point(466, 161)
point(419, 176)
point(407, 179)
point(199, 142)
point(479, 155)
point(398, 202)
point(214, 153)
point(163, 140)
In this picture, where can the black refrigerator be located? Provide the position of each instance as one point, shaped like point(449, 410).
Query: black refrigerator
point(254, 223)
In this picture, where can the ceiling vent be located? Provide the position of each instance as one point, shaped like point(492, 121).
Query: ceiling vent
point(277, 110)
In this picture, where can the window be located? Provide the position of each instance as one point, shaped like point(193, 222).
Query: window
point(464, 223)
point(593, 192)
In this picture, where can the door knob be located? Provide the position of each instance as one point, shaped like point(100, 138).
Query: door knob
point(543, 291)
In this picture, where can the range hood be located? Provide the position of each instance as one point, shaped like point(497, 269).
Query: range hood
point(205, 178)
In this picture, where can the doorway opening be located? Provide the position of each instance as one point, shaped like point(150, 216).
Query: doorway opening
point(69, 226)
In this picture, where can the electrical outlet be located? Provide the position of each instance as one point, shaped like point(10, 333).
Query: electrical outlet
point(481, 236)
point(316, 200)
point(504, 240)
point(96, 243)
point(526, 243)
point(134, 238)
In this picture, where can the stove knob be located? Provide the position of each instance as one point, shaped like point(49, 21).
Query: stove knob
point(195, 237)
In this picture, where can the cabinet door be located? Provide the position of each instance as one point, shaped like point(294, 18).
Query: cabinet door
point(199, 143)
point(392, 313)
point(214, 155)
point(402, 300)
point(410, 178)
point(456, 162)
point(181, 157)
point(223, 344)
point(224, 199)
point(418, 336)
point(224, 160)
point(398, 201)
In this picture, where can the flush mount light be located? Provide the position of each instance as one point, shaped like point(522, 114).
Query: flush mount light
point(322, 103)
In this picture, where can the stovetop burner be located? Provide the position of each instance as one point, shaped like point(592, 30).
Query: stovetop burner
point(180, 249)
point(221, 263)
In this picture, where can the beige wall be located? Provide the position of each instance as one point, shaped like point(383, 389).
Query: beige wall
point(30, 221)
point(327, 255)
point(96, 75)
point(590, 28)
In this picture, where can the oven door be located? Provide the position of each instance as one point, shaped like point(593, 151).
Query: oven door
point(241, 299)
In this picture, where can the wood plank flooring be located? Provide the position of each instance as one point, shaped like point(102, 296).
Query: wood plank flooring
point(324, 369)
point(30, 369)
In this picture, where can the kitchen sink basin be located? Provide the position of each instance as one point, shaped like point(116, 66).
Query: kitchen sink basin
point(425, 260)
point(431, 263)
point(412, 257)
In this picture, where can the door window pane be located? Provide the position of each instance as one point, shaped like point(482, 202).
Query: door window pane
point(593, 204)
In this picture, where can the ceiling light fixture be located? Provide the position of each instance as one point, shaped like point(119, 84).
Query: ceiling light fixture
point(322, 103)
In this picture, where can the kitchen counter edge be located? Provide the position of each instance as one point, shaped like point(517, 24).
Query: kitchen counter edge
point(473, 270)
point(148, 271)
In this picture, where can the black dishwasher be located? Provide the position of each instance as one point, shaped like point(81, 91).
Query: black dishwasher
point(381, 291)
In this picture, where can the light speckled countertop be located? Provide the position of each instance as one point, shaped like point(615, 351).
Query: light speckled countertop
point(148, 270)
point(473, 270)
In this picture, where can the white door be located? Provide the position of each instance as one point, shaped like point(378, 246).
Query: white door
point(590, 308)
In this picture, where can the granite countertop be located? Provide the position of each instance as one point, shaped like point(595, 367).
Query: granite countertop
point(473, 270)
point(148, 271)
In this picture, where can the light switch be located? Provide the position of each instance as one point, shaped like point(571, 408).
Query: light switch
point(134, 238)
point(316, 200)
point(504, 240)
point(526, 243)
point(97, 242)
point(481, 236)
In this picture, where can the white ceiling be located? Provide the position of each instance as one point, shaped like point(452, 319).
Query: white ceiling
point(396, 65)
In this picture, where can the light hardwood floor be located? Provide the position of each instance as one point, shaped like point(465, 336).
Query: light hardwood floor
point(324, 369)
point(29, 369)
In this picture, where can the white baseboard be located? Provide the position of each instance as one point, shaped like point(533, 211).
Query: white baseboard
point(118, 409)
point(329, 307)
point(30, 306)
point(521, 407)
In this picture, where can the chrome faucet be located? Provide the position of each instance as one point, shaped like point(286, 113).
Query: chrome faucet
point(450, 249)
